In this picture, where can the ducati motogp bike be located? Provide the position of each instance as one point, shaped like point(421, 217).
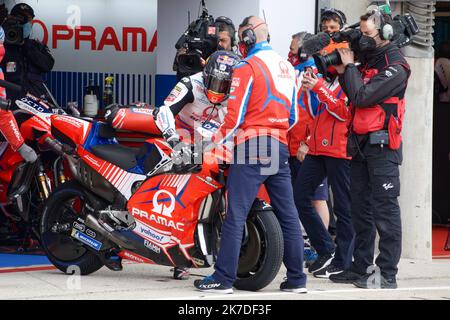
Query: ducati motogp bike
point(135, 203)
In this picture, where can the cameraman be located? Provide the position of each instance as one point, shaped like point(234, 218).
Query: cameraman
point(26, 60)
point(376, 91)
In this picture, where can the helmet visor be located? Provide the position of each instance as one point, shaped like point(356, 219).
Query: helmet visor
point(218, 85)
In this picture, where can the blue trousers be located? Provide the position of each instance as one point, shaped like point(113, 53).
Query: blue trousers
point(314, 170)
point(243, 184)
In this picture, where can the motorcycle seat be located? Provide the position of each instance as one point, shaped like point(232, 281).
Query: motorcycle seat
point(119, 155)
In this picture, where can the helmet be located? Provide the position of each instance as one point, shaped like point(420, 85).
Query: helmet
point(22, 10)
point(217, 75)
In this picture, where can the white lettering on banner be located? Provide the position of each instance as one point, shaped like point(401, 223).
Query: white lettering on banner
point(158, 219)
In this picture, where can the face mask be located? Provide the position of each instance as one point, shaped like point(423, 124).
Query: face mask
point(243, 50)
point(27, 29)
point(293, 59)
point(367, 44)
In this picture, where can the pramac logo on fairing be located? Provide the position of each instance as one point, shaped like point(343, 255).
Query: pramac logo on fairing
point(160, 207)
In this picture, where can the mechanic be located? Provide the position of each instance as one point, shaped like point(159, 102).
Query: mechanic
point(263, 108)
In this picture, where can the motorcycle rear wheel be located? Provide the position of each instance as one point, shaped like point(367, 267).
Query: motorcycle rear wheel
point(64, 206)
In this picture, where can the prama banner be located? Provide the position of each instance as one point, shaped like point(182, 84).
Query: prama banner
point(92, 39)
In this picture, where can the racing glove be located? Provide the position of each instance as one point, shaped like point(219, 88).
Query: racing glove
point(27, 153)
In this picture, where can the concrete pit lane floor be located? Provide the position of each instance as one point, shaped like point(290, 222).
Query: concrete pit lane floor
point(417, 280)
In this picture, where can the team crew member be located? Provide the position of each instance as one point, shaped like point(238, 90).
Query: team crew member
point(376, 91)
point(8, 124)
point(299, 135)
point(263, 108)
point(327, 157)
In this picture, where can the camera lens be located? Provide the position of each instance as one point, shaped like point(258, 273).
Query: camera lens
point(324, 62)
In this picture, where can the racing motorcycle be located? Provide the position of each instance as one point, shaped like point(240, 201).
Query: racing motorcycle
point(24, 187)
point(135, 203)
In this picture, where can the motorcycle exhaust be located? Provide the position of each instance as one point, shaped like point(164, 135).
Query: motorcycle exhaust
point(109, 233)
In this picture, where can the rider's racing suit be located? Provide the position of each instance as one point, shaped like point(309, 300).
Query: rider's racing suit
point(187, 107)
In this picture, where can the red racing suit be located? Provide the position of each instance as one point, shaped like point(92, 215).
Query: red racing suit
point(263, 98)
point(8, 124)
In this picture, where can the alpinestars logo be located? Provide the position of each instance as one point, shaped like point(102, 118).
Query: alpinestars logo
point(388, 186)
point(15, 130)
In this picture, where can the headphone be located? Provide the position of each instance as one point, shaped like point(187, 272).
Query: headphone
point(249, 36)
point(340, 14)
point(227, 21)
point(386, 29)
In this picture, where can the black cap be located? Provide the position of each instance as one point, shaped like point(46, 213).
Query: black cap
point(22, 9)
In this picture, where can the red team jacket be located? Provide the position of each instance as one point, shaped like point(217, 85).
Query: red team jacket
point(262, 98)
point(328, 124)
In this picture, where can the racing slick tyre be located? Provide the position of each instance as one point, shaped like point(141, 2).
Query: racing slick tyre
point(66, 253)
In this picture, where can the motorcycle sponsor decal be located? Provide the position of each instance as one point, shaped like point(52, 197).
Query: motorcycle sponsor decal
point(199, 262)
point(145, 111)
point(91, 233)
point(208, 181)
point(158, 219)
point(150, 245)
point(92, 161)
point(160, 207)
point(79, 226)
point(151, 234)
point(134, 257)
point(70, 121)
point(84, 238)
point(236, 82)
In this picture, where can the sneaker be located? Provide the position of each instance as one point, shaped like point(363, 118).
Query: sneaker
point(369, 281)
point(181, 273)
point(310, 256)
point(347, 276)
point(287, 287)
point(325, 273)
point(208, 284)
point(321, 262)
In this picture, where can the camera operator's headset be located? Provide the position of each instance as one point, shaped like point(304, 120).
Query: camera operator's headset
point(386, 29)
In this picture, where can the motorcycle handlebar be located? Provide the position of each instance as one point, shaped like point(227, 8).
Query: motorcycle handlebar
point(10, 86)
point(5, 104)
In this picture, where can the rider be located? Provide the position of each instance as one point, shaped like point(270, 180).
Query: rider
point(8, 124)
point(194, 101)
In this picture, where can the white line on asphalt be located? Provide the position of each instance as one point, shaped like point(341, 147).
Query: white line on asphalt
point(316, 292)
